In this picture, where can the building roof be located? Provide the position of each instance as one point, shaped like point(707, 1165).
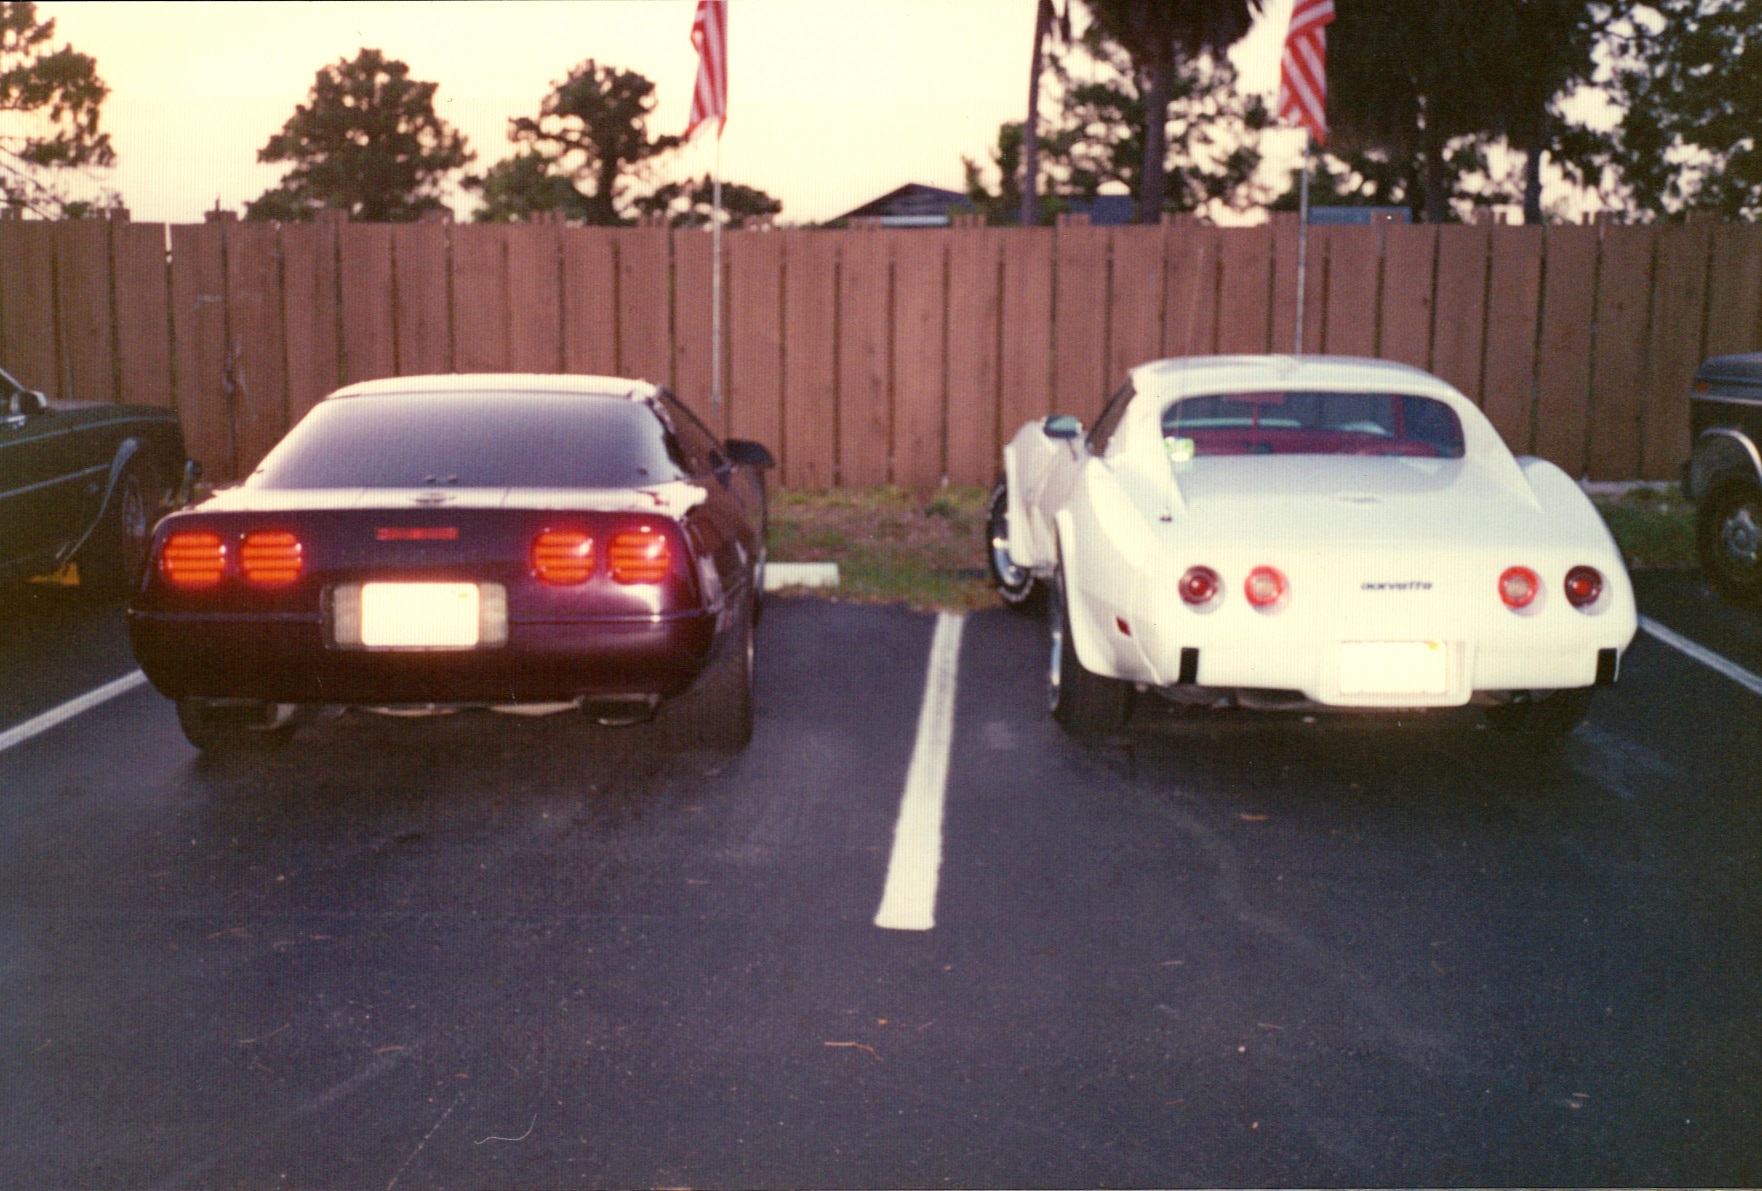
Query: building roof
point(914, 200)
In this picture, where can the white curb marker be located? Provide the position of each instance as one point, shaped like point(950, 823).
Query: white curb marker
point(1703, 655)
point(909, 900)
point(37, 725)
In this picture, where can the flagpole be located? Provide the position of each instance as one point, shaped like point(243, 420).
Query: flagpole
point(1302, 244)
point(716, 281)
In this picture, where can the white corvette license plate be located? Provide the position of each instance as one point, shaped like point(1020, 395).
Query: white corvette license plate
point(419, 615)
point(1393, 668)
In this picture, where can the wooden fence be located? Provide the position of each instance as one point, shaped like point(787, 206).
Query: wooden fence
point(868, 357)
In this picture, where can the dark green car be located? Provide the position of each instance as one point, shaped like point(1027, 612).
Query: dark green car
point(83, 482)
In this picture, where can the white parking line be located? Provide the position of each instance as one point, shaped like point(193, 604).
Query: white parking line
point(1703, 655)
point(908, 902)
point(37, 725)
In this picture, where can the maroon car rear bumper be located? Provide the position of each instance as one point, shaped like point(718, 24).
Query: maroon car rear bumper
point(286, 660)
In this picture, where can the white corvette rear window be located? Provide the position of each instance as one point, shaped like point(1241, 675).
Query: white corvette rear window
point(1301, 423)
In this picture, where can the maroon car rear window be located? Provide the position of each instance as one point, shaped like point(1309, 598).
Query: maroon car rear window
point(473, 440)
point(1294, 423)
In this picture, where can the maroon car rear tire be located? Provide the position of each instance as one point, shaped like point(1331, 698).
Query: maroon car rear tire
point(219, 727)
point(717, 712)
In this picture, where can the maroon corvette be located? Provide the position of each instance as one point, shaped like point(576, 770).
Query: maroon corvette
point(526, 543)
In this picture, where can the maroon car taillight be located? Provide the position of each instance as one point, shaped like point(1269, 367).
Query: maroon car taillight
point(641, 555)
point(1265, 588)
point(1583, 586)
point(1200, 586)
point(1518, 587)
point(562, 557)
point(193, 559)
point(271, 558)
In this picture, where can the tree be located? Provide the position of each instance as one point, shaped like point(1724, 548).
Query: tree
point(1048, 24)
point(592, 132)
point(518, 187)
point(1689, 78)
point(1430, 86)
point(1211, 138)
point(50, 101)
point(1157, 37)
point(367, 141)
point(691, 203)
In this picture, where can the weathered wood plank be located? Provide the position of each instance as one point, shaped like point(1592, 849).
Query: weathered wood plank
point(865, 413)
point(1079, 328)
point(535, 299)
point(755, 338)
point(1354, 263)
point(645, 334)
point(1563, 369)
point(143, 313)
point(423, 324)
point(1624, 310)
point(1679, 299)
point(1134, 300)
point(1459, 332)
point(920, 313)
point(254, 326)
point(82, 301)
point(1410, 261)
point(1514, 298)
point(1025, 329)
point(590, 301)
point(369, 329)
point(810, 378)
point(309, 312)
point(975, 300)
point(198, 313)
point(1245, 289)
point(480, 297)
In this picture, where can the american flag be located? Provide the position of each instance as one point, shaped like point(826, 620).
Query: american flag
point(709, 33)
point(1303, 74)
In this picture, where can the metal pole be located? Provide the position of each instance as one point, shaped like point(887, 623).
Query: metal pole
point(716, 283)
point(1302, 244)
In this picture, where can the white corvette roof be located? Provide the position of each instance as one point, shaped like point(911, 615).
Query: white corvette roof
point(500, 382)
point(1195, 375)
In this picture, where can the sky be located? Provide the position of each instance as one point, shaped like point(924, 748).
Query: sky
point(830, 102)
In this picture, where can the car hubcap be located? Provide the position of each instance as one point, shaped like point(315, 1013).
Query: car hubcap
point(1742, 536)
point(134, 524)
point(1007, 571)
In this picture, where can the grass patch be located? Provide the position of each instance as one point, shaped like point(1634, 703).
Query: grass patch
point(1653, 525)
point(891, 546)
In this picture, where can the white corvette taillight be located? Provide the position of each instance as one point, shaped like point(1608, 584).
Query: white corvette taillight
point(1201, 587)
point(1518, 587)
point(1266, 588)
point(1583, 586)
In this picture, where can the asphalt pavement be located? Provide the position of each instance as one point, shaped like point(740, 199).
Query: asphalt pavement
point(483, 950)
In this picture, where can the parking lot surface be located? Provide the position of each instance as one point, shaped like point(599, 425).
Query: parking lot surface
point(1226, 950)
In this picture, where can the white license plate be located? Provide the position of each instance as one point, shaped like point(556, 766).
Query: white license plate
point(1393, 668)
point(419, 615)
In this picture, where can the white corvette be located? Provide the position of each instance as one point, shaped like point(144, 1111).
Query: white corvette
point(1306, 532)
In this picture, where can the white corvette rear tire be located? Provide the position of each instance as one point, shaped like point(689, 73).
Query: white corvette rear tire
point(1085, 703)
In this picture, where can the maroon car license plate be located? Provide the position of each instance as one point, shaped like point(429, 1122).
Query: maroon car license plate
point(419, 615)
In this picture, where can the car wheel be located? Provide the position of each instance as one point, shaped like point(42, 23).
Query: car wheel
point(1728, 530)
point(111, 560)
point(1015, 585)
point(1544, 716)
point(717, 712)
point(217, 726)
point(1085, 703)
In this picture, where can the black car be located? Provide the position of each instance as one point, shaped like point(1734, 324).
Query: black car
point(526, 543)
point(82, 482)
point(1724, 474)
